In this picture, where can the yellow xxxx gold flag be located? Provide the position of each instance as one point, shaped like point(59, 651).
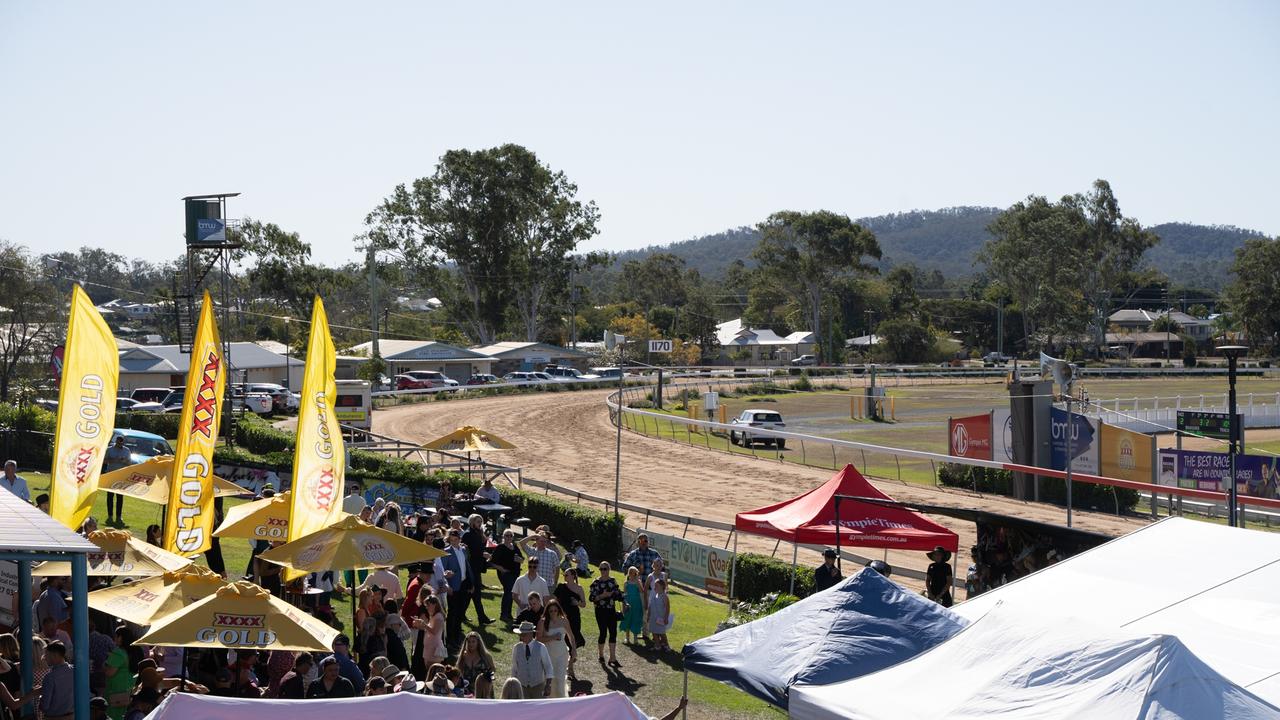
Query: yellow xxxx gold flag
point(319, 463)
point(188, 526)
point(86, 411)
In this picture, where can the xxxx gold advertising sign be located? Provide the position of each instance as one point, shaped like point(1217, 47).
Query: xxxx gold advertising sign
point(1127, 455)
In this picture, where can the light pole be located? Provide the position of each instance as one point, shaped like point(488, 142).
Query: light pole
point(288, 351)
point(617, 459)
point(1232, 353)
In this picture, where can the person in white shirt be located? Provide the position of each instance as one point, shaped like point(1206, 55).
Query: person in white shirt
point(488, 492)
point(530, 662)
point(388, 580)
point(527, 583)
point(15, 483)
point(353, 503)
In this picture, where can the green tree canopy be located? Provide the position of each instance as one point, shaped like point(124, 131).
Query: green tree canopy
point(1254, 293)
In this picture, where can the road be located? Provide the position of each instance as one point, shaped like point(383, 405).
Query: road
point(567, 438)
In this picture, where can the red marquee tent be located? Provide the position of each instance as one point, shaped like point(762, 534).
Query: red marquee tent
point(810, 519)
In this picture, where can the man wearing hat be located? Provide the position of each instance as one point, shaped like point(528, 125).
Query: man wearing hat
point(827, 573)
point(347, 667)
point(530, 662)
point(937, 580)
point(98, 708)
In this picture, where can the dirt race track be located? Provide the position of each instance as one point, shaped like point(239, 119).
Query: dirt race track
point(567, 438)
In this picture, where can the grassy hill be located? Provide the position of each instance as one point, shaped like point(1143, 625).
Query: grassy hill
point(949, 240)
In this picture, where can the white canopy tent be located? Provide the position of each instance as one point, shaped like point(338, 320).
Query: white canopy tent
point(1216, 588)
point(182, 706)
point(1016, 667)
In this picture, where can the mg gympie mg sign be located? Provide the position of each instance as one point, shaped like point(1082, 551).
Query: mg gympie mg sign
point(970, 437)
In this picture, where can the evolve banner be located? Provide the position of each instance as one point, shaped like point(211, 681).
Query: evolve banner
point(691, 563)
point(1256, 475)
point(970, 437)
point(1084, 442)
point(1126, 454)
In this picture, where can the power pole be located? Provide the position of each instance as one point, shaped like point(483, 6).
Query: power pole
point(370, 261)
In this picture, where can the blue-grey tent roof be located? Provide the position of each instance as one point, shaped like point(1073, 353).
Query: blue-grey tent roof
point(864, 624)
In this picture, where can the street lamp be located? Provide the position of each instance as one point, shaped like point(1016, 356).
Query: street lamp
point(1232, 353)
point(288, 360)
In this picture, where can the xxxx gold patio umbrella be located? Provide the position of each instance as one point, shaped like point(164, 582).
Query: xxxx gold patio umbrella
point(469, 439)
point(143, 601)
point(241, 615)
point(265, 519)
point(350, 544)
point(122, 554)
point(149, 481)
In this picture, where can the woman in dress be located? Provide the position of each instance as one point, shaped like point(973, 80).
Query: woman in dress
point(572, 599)
point(430, 650)
point(605, 595)
point(475, 662)
point(121, 670)
point(633, 617)
point(390, 520)
point(555, 633)
point(659, 614)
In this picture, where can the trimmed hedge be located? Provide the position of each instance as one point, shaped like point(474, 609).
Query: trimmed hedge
point(1087, 496)
point(758, 575)
point(163, 424)
point(600, 531)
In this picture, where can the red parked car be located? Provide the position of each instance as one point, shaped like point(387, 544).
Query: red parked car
point(409, 382)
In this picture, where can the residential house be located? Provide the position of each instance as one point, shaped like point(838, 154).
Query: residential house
point(1134, 320)
point(166, 366)
point(511, 356)
point(741, 344)
point(404, 355)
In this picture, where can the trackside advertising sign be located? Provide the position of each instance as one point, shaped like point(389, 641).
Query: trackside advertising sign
point(970, 437)
point(694, 564)
point(1256, 475)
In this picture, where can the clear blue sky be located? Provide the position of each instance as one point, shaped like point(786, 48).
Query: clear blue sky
point(679, 119)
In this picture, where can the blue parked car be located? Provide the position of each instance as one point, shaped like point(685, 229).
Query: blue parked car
point(142, 445)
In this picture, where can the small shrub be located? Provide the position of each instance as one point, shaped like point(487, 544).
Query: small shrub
point(755, 576)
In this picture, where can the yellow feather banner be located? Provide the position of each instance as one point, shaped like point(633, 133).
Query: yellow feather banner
point(86, 411)
point(319, 462)
point(188, 526)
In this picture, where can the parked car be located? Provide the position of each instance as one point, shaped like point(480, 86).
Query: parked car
point(142, 445)
point(409, 382)
point(125, 404)
point(259, 403)
point(435, 378)
point(150, 394)
point(996, 358)
point(281, 399)
point(172, 402)
point(758, 418)
point(607, 372)
point(804, 360)
point(561, 372)
point(47, 404)
point(539, 376)
point(520, 376)
point(482, 379)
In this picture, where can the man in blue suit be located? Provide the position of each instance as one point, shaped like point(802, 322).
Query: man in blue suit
point(457, 572)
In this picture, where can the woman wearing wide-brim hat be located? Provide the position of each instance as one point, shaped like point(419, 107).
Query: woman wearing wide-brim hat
point(937, 582)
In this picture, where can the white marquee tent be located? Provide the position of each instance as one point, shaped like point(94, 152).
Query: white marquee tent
point(1216, 588)
point(1012, 665)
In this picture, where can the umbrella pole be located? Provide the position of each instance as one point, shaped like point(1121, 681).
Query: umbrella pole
point(353, 613)
point(733, 569)
point(182, 674)
point(685, 712)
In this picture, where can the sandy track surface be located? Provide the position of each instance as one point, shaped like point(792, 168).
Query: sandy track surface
point(567, 438)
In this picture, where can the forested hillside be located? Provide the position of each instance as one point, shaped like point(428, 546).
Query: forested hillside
point(949, 239)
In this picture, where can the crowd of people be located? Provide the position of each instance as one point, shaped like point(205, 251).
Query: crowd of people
point(408, 633)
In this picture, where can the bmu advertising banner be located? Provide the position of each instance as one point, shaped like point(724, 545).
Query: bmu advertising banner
point(1084, 442)
point(1256, 475)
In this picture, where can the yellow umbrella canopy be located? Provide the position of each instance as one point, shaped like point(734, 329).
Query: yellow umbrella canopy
point(469, 439)
point(122, 554)
point(143, 601)
point(350, 544)
point(241, 615)
point(265, 519)
point(149, 481)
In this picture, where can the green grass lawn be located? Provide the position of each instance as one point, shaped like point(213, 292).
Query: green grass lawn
point(654, 681)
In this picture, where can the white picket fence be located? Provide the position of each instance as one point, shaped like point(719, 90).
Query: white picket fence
point(1153, 413)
